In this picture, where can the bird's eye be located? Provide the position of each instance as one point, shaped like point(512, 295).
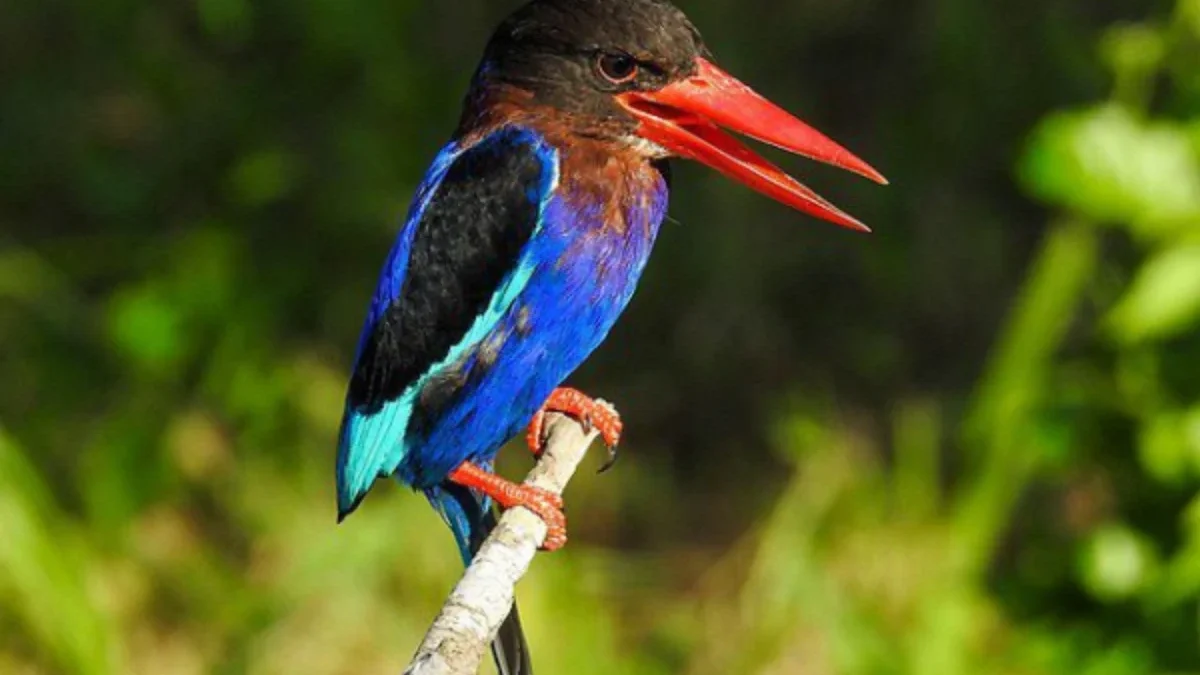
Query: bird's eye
point(617, 68)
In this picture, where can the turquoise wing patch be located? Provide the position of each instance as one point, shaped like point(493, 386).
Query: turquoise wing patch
point(372, 447)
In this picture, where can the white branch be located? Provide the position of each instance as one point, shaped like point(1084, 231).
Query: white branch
point(459, 638)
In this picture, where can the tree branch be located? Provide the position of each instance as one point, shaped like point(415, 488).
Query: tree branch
point(458, 639)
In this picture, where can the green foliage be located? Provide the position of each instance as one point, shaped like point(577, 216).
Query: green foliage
point(969, 444)
point(45, 573)
point(1108, 165)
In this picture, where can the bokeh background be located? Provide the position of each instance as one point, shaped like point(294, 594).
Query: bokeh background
point(966, 444)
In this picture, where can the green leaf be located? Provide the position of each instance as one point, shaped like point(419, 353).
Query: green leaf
point(1110, 166)
point(1189, 428)
point(1164, 298)
point(1136, 48)
point(148, 329)
point(263, 177)
point(1188, 13)
point(42, 575)
point(1163, 448)
point(227, 20)
point(1116, 563)
point(1134, 53)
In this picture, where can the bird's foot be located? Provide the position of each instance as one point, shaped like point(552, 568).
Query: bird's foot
point(547, 505)
point(592, 414)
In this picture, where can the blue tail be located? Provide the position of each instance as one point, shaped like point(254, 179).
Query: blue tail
point(471, 519)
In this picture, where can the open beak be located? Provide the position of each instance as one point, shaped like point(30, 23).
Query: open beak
point(685, 118)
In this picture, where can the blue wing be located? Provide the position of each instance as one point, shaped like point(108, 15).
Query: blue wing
point(453, 272)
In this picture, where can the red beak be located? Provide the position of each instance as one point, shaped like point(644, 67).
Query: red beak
point(683, 117)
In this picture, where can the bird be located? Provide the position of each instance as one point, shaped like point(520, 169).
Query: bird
point(525, 241)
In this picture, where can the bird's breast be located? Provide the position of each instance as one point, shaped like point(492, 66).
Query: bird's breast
point(603, 220)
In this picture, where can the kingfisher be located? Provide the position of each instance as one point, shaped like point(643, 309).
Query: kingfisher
point(525, 242)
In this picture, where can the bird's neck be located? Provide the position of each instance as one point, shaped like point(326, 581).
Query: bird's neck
point(599, 172)
point(610, 178)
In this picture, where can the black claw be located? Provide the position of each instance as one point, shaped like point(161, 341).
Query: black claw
point(612, 459)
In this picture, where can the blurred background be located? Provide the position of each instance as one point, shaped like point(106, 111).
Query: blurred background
point(968, 443)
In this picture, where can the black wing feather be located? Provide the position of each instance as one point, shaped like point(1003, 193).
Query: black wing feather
point(467, 240)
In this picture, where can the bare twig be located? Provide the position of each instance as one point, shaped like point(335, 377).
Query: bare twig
point(458, 639)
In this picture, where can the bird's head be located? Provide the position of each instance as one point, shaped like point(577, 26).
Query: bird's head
point(637, 73)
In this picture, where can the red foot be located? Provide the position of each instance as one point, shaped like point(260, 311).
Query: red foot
point(592, 414)
point(547, 505)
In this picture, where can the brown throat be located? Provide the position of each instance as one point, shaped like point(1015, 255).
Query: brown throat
point(597, 166)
